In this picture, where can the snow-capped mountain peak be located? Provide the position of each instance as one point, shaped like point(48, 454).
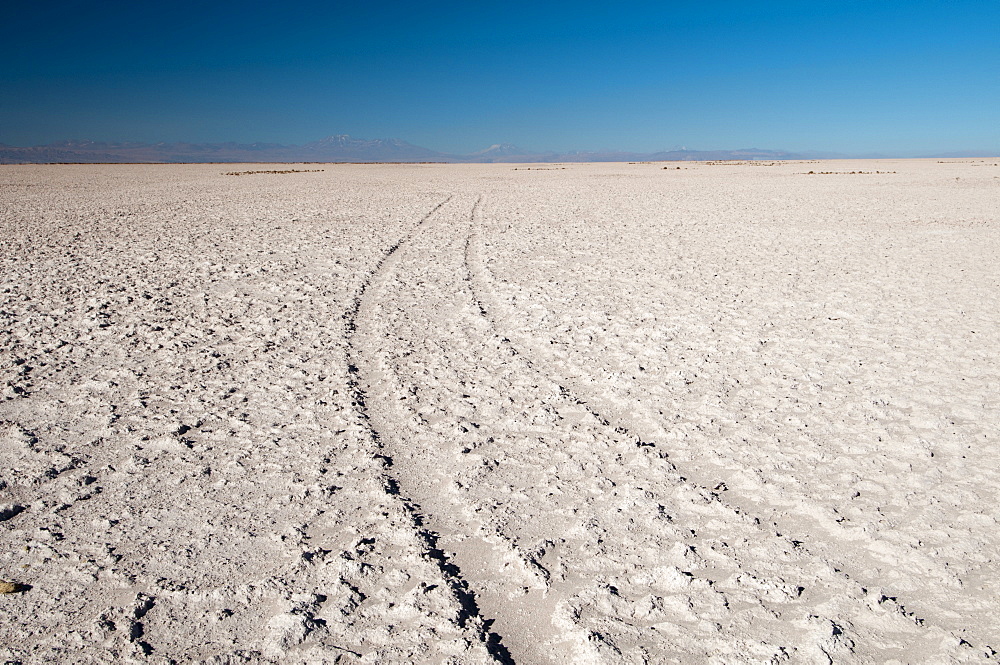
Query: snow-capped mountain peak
point(500, 150)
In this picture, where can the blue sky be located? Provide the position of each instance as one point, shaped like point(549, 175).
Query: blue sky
point(852, 77)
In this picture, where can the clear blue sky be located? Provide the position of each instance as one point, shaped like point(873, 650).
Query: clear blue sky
point(896, 77)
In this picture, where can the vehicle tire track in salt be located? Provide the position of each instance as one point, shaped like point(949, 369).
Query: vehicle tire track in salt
point(475, 442)
point(834, 573)
point(780, 529)
point(421, 343)
point(469, 616)
point(826, 642)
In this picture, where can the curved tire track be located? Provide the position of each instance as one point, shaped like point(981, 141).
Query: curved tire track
point(579, 540)
point(469, 616)
point(586, 545)
point(611, 418)
point(428, 353)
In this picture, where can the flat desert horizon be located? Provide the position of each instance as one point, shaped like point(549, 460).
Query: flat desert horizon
point(732, 412)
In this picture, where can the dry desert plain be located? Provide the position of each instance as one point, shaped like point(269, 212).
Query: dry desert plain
point(582, 413)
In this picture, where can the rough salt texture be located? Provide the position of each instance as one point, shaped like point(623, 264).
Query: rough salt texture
point(614, 413)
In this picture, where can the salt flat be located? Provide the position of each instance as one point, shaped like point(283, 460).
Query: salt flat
point(583, 413)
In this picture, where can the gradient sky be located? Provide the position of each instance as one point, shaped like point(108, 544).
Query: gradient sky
point(853, 77)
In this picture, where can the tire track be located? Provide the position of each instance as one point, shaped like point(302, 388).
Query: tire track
point(469, 616)
point(432, 355)
point(599, 563)
point(611, 416)
point(777, 532)
point(578, 540)
point(607, 519)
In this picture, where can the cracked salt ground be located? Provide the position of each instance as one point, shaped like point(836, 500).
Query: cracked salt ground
point(466, 414)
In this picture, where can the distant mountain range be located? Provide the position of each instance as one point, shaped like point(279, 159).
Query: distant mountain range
point(343, 148)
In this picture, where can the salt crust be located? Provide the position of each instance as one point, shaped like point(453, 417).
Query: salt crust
point(727, 413)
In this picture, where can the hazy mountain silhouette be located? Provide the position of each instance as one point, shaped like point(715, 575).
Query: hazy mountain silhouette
point(339, 148)
point(506, 152)
point(343, 148)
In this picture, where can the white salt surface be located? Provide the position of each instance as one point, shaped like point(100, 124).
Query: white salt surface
point(727, 413)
